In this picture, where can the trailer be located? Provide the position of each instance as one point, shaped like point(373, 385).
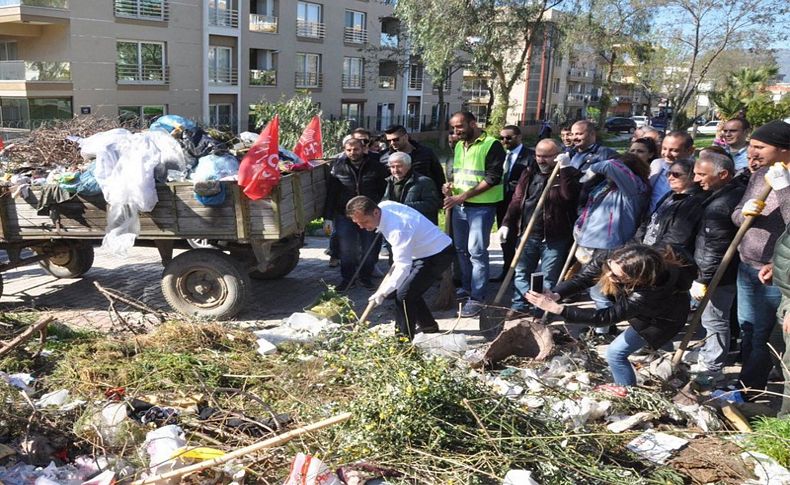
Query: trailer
point(242, 238)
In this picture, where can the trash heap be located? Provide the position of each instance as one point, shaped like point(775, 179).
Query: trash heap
point(97, 408)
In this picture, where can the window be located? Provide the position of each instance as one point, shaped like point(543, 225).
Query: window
point(356, 31)
point(308, 70)
point(263, 17)
point(384, 114)
point(141, 62)
point(555, 86)
point(222, 14)
point(220, 115)
point(263, 67)
point(29, 113)
point(141, 116)
point(8, 51)
point(353, 73)
point(220, 65)
point(415, 77)
point(351, 112)
point(309, 20)
point(142, 9)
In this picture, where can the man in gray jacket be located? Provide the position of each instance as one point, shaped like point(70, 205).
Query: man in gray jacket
point(408, 187)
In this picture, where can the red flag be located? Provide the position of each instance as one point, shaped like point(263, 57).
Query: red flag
point(2, 144)
point(259, 170)
point(309, 147)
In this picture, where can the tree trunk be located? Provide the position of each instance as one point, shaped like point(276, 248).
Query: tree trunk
point(441, 115)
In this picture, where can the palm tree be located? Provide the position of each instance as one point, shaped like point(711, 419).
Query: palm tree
point(742, 88)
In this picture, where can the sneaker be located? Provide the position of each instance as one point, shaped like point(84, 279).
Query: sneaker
point(367, 284)
point(334, 262)
point(344, 286)
point(470, 309)
point(433, 329)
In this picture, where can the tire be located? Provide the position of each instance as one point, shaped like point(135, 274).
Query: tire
point(205, 283)
point(280, 267)
point(200, 244)
point(631, 130)
point(74, 261)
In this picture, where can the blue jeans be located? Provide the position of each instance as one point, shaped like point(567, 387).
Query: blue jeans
point(471, 235)
point(353, 242)
point(757, 306)
point(601, 301)
point(617, 354)
point(551, 256)
point(716, 321)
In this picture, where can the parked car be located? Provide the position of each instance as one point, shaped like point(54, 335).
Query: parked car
point(641, 121)
point(618, 124)
point(708, 128)
point(659, 123)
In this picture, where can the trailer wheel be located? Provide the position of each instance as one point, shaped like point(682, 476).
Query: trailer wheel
point(74, 261)
point(280, 267)
point(206, 283)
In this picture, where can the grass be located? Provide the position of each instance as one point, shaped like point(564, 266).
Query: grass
point(772, 437)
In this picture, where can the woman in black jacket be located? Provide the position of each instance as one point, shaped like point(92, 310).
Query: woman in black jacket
point(648, 288)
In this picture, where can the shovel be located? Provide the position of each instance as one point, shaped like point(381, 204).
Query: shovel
point(492, 316)
point(372, 304)
point(725, 261)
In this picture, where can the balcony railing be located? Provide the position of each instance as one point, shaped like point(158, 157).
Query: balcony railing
point(353, 82)
point(142, 9)
point(387, 83)
point(354, 35)
point(578, 97)
point(312, 30)
point(475, 92)
point(223, 17)
point(263, 23)
point(222, 76)
point(415, 84)
point(581, 73)
point(448, 85)
point(263, 77)
point(45, 71)
point(142, 74)
point(388, 40)
point(308, 79)
point(35, 3)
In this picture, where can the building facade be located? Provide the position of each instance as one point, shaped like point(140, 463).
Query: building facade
point(209, 60)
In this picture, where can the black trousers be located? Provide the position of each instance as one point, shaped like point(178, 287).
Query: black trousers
point(410, 307)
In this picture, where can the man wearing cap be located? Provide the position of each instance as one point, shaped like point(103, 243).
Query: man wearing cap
point(769, 149)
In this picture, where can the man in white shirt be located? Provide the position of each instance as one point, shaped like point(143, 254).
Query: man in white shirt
point(421, 253)
point(735, 133)
point(676, 145)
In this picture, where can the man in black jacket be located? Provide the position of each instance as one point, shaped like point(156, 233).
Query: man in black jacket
point(714, 172)
point(423, 160)
point(353, 174)
point(517, 159)
point(410, 188)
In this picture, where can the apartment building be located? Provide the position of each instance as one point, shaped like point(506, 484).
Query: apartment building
point(208, 60)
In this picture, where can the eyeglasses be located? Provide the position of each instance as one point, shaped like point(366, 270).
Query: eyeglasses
point(676, 175)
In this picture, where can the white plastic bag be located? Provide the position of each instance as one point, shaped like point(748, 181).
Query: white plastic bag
point(161, 444)
point(308, 470)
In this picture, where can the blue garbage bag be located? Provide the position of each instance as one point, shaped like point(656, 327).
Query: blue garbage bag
point(215, 167)
point(169, 122)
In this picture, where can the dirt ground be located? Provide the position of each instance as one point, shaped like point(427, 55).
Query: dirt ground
point(712, 460)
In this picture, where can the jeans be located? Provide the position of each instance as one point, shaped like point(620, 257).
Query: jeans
point(757, 307)
point(471, 235)
point(353, 242)
point(601, 301)
point(551, 256)
point(716, 321)
point(784, 309)
point(617, 354)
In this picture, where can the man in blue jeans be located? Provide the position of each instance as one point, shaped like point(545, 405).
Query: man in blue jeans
point(551, 235)
point(473, 196)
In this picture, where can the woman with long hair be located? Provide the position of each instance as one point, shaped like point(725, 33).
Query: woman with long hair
point(644, 148)
point(647, 288)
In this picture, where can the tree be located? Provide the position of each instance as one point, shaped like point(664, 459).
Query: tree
point(762, 111)
point(743, 88)
point(704, 29)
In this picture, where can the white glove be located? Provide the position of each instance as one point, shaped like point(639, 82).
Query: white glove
point(588, 175)
point(778, 177)
point(698, 291)
point(328, 227)
point(753, 207)
point(563, 159)
point(378, 298)
point(502, 234)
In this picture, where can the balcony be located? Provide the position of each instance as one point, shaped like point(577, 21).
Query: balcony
point(35, 71)
point(415, 84)
point(353, 82)
point(310, 30)
point(142, 74)
point(223, 17)
point(388, 40)
point(31, 14)
point(223, 77)
point(263, 77)
point(352, 35)
point(387, 83)
point(578, 98)
point(308, 79)
point(448, 86)
point(142, 10)
point(263, 23)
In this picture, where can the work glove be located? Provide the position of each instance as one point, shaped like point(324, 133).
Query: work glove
point(563, 159)
point(502, 234)
point(328, 227)
point(753, 207)
point(698, 290)
point(378, 298)
point(778, 177)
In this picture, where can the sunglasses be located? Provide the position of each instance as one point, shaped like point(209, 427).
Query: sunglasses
point(505, 138)
point(676, 175)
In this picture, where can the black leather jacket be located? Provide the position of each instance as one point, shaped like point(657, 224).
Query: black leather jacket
point(345, 183)
point(677, 222)
point(657, 313)
point(715, 232)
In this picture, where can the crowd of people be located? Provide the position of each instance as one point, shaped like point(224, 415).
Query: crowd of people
point(649, 228)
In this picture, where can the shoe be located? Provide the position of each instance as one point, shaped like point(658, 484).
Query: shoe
point(328, 252)
point(344, 286)
point(709, 379)
point(470, 309)
point(367, 284)
point(461, 294)
point(334, 262)
point(433, 329)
